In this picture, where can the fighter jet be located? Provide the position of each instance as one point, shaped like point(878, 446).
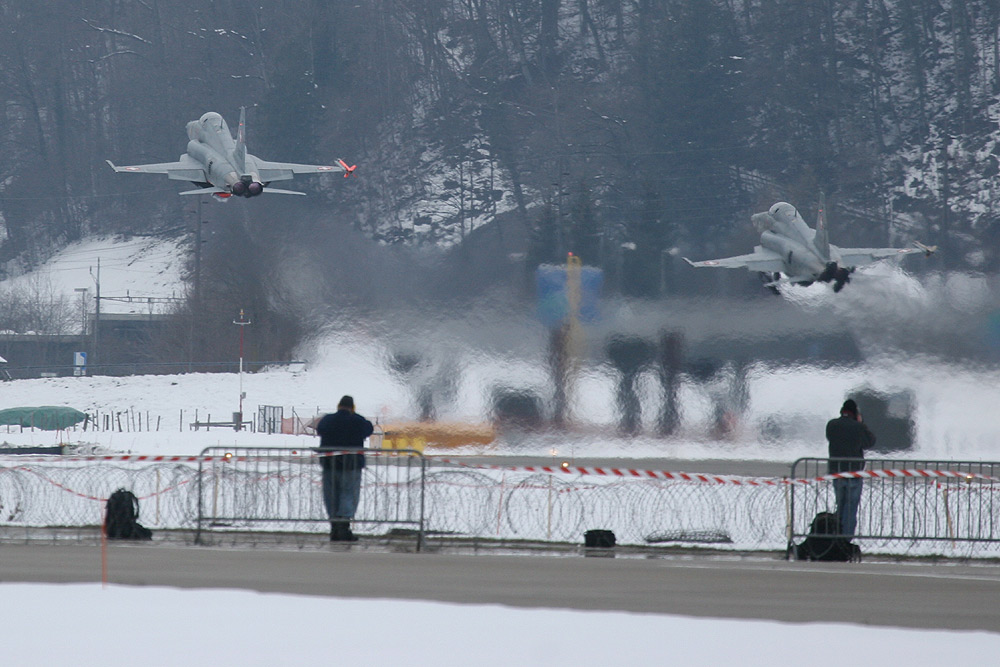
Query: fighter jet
point(791, 252)
point(220, 166)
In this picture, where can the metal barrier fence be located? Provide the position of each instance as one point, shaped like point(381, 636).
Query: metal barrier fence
point(269, 418)
point(43, 495)
point(279, 490)
point(919, 508)
point(905, 503)
point(520, 504)
point(242, 486)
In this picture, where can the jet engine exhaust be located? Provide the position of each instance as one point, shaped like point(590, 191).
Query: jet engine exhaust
point(247, 188)
point(841, 278)
point(839, 275)
point(829, 273)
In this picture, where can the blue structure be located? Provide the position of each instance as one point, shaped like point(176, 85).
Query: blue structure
point(553, 299)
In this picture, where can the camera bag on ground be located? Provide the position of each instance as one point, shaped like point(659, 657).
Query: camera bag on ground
point(825, 542)
point(602, 539)
point(121, 519)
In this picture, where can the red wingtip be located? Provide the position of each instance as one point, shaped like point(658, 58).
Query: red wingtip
point(348, 171)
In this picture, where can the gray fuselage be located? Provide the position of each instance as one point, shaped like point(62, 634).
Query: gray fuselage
point(785, 232)
point(211, 144)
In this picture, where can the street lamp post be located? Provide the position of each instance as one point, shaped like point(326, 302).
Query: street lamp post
point(83, 310)
point(80, 356)
point(241, 323)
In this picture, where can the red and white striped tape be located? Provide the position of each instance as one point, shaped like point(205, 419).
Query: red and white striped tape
point(149, 458)
point(87, 496)
point(631, 473)
point(162, 458)
point(565, 468)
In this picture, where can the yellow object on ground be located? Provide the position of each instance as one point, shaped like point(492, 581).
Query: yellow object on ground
point(417, 435)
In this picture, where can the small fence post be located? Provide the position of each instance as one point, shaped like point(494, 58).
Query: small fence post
point(791, 509)
point(423, 485)
point(197, 535)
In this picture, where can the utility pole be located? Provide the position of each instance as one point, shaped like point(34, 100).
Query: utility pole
point(241, 323)
point(197, 257)
point(95, 354)
point(80, 356)
point(194, 309)
point(82, 291)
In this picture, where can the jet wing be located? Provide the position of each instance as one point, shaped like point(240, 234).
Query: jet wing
point(285, 171)
point(861, 256)
point(278, 191)
point(185, 169)
point(761, 259)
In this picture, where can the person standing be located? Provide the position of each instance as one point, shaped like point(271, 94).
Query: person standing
point(848, 437)
point(343, 429)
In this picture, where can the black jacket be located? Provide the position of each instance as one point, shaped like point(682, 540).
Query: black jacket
point(848, 439)
point(343, 430)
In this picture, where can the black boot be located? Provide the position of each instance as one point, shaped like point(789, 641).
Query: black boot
point(347, 535)
point(336, 531)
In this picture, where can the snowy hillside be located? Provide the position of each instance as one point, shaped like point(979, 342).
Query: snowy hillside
point(598, 123)
point(131, 272)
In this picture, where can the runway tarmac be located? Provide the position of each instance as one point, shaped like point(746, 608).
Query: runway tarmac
point(913, 595)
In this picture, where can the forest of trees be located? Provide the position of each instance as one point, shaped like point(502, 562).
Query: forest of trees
point(598, 125)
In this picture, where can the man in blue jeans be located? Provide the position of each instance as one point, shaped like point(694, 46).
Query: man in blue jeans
point(342, 430)
point(849, 437)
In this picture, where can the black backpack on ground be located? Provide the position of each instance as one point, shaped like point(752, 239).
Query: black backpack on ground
point(824, 542)
point(603, 539)
point(121, 518)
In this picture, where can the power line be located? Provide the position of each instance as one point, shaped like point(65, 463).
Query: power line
point(131, 259)
point(130, 193)
point(144, 299)
point(123, 246)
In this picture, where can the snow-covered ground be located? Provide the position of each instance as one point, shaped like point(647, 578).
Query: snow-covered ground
point(167, 626)
point(955, 413)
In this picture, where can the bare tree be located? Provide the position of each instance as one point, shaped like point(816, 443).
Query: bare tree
point(33, 305)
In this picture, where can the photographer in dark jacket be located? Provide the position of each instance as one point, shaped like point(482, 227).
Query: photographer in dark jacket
point(342, 472)
point(849, 437)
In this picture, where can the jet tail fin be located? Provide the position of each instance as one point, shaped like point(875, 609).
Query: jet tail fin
point(240, 152)
point(822, 240)
point(928, 249)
